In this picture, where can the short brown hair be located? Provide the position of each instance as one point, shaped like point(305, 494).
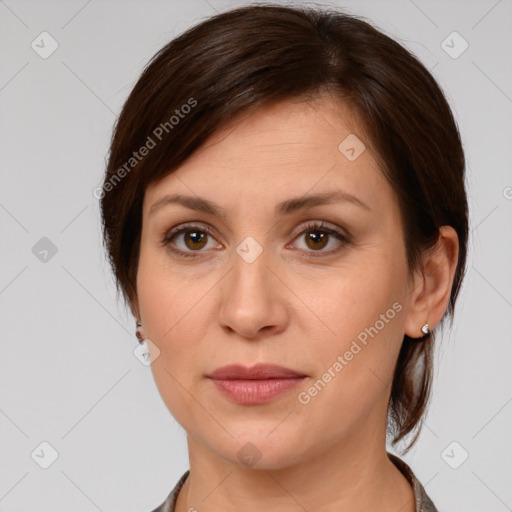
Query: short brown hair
point(258, 54)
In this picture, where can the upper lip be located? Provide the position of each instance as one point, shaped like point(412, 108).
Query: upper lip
point(259, 371)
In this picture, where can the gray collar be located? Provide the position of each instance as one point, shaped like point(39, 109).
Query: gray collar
point(423, 502)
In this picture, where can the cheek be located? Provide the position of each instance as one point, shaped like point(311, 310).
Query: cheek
point(170, 300)
point(355, 370)
point(362, 323)
point(172, 312)
point(176, 316)
point(354, 298)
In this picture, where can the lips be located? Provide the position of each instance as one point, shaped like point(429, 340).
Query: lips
point(260, 371)
point(256, 385)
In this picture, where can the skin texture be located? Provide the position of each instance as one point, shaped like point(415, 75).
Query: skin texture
point(285, 308)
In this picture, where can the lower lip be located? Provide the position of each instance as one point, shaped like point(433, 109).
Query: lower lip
point(255, 392)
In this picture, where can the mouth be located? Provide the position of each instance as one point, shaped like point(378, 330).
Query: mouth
point(256, 385)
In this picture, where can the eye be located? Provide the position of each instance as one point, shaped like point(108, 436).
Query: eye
point(318, 236)
point(194, 238)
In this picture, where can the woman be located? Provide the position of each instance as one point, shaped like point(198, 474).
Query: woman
point(285, 213)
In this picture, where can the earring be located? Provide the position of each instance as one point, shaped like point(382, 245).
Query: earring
point(138, 332)
point(425, 329)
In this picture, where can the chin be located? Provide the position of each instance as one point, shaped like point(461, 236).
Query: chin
point(261, 451)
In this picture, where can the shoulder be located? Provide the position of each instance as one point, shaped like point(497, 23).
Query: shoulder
point(170, 502)
point(423, 502)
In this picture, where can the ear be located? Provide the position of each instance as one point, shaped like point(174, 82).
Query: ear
point(433, 283)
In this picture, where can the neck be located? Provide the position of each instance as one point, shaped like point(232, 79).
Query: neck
point(353, 475)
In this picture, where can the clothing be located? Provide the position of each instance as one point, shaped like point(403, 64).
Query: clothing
point(423, 502)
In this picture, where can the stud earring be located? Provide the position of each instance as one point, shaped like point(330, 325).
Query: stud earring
point(425, 329)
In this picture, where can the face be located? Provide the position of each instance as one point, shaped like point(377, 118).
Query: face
point(318, 287)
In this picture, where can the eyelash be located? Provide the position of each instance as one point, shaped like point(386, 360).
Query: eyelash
point(313, 226)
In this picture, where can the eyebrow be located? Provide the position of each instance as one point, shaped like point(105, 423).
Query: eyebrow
point(284, 208)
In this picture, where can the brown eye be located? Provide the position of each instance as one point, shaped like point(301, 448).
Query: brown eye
point(194, 239)
point(317, 240)
point(189, 239)
point(317, 236)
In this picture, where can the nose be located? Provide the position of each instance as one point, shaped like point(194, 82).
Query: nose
point(253, 298)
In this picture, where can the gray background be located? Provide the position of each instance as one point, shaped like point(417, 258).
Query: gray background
point(68, 375)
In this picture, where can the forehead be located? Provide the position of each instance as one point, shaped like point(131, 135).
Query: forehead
point(287, 148)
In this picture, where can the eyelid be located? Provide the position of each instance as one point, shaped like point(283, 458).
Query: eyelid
point(321, 225)
point(200, 226)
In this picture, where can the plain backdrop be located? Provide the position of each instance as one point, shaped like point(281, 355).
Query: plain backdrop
point(68, 375)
